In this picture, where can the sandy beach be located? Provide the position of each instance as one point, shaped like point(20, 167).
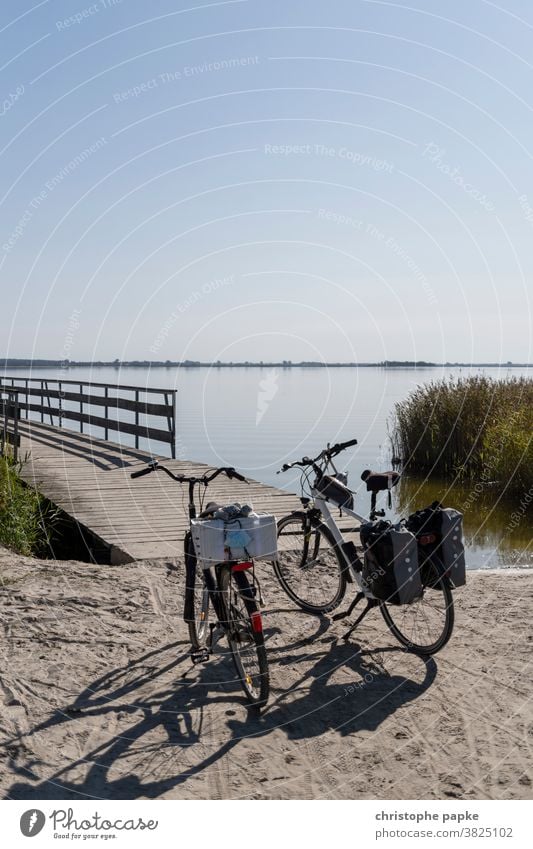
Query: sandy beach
point(98, 698)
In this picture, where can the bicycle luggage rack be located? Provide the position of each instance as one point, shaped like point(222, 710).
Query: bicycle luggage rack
point(9, 413)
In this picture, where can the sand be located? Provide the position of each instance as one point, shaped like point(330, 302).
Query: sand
point(94, 702)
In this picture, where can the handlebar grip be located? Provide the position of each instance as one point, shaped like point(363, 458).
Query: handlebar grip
point(340, 446)
point(233, 474)
point(140, 473)
point(349, 443)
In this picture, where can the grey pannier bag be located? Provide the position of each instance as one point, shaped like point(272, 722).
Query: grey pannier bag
point(452, 547)
point(390, 569)
point(439, 531)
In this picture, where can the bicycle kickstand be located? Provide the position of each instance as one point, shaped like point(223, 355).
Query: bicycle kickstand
point(370, 603)
point(359, 597)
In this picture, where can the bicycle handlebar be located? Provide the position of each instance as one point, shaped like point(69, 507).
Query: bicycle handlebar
point(341, 446)
point(140, 473)
point(154, 466)
point(329, 452)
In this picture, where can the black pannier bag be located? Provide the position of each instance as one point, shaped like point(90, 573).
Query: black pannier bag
point(439, 530)
point(334, 490)
point(390, 569)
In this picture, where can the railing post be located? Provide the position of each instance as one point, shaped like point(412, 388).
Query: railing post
point(172, 424)
point(137, 418)
point(49, 403)
point(9, 408)
point(15, 427)
point(27, 400)
point(81, 407)
point(42, 401)
point(106, 409)
point(60, 404)
point(3, 408)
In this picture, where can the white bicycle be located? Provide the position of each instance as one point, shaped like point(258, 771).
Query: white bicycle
point(316, 562)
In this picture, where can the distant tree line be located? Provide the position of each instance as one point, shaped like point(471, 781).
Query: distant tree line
point(7, 363)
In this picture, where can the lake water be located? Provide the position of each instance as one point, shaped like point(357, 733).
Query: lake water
point(257, 419)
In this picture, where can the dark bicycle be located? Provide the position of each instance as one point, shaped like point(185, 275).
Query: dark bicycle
point(226, 587)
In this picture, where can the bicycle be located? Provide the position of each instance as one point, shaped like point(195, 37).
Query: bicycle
point(225, 587)
point(315, 562)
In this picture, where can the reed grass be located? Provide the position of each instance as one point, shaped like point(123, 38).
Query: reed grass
point(26, 519)
point(469, 427)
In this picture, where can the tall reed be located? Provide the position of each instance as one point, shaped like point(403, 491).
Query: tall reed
point(469, 427)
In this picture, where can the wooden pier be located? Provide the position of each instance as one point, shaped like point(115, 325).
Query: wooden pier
point(89, 479)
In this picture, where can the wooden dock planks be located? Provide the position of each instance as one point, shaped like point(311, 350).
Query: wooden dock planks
point(89, 479)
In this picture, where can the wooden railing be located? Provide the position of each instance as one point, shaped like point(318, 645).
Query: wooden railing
point(9, 419)
point(58, 402)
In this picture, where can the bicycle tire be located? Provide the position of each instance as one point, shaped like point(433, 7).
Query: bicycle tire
point(246, 644)
point(434, 580)
point(198, 603)
point(325, 576)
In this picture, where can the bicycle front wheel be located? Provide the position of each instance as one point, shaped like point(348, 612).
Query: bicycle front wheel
point(198, 599)
point(308, 567)
point(244, 629)
point(426, 625)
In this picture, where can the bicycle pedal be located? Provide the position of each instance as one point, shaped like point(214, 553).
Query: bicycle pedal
point(199, 656)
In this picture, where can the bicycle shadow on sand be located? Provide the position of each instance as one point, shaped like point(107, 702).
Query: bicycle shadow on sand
point(191, 724)
point(316, 704)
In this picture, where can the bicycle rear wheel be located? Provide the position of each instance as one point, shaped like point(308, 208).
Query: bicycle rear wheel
point(244, 629)
point(308, 567)
point(426, 625)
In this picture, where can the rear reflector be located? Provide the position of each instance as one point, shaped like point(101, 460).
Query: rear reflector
point(427, 539)
point(240, 567)
point(257, 622)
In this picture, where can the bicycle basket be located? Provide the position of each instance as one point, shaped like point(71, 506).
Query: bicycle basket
point(334, 490)
point(250, 538)
point(390, 569)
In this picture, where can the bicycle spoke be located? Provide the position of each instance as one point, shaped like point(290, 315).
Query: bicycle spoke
point(425, 624)
point(307, 566)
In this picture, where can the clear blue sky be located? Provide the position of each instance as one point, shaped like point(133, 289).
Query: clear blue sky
point(251, 180)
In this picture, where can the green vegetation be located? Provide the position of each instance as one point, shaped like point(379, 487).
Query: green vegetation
point(26, 519)
point(475, 427)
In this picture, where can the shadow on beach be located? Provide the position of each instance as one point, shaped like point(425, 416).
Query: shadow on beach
point(173, 729)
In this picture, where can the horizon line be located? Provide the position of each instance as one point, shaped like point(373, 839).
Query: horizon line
point(42, 362)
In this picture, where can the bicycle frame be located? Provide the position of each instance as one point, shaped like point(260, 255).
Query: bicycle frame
point(352, 567)
point(212, 585)
point(328, 519)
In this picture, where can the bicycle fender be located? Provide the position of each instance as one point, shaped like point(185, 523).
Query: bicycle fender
point(190, 583)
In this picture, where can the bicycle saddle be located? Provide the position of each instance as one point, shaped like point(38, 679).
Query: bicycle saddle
point(378, 481)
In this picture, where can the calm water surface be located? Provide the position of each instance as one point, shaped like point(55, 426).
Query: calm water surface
point(257, 419)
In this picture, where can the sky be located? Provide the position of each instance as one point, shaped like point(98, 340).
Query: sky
point(341, 181)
